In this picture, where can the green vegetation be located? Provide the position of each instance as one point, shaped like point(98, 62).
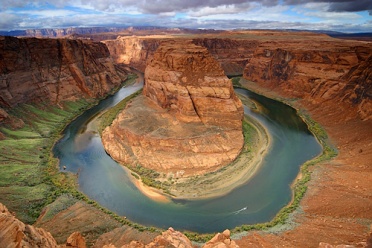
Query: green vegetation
point(300, 186)
point(109, 116)
point(236, 82)
point(29, 175)
point(25, 182)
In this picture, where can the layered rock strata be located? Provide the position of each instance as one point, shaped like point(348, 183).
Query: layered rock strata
point(232, 54)
point(188, 121)
point(317, 71)
point(133, 51)
point(54, 70)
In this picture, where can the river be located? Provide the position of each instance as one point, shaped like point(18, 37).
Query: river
point(258, 200)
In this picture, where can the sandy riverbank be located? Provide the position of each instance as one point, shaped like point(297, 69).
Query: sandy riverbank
point(150, 192)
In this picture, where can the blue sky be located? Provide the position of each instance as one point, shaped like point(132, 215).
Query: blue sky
point(337, 15)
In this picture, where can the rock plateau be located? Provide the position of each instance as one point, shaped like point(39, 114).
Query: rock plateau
point(188, 121)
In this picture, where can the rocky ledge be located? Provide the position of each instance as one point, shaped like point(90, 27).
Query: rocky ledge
point(188, 121)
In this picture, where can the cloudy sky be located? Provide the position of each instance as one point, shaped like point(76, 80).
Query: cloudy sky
point(337, 15)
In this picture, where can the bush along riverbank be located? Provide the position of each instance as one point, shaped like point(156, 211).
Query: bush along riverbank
point(299, 186)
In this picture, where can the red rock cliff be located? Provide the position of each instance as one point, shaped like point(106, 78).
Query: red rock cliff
point(133, 51)
point(54, 70)
point(317, 71)
point(232, 54)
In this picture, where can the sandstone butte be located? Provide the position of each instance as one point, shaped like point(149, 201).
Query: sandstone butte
point(188, 121)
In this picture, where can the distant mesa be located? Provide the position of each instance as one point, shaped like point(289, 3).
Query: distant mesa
point(188, 120)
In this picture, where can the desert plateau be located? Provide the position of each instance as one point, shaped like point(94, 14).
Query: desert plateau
point(148, 136)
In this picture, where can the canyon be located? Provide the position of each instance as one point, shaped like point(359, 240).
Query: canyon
point(329, 79)
point(196, 118)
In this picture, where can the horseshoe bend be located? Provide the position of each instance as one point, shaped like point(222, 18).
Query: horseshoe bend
point(187, 122)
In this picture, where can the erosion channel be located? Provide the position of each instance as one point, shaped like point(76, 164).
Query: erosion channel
point(256, 200)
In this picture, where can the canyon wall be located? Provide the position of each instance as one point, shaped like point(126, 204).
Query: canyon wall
point(54, 70)
point(317, 71)
point(133, 50)
point(305, 65)
point(233, 54)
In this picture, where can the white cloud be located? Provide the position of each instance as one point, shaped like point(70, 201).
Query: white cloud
point(220, 10)
point(8, 21)
point(47, 12)
point(218, 14)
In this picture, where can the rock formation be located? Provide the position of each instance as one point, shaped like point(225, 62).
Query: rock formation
point(221, 240)
point(318, 72)
point(189, 120)
point(232, 54)
point(14, 233)
point(54, 70)
point(172, 238)
point(304, 65)
point(184, 78)
point(133, 51)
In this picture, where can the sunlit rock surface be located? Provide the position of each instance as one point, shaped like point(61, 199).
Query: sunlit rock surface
point(188, 121)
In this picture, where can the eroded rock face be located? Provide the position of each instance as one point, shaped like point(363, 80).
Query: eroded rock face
point(172, 238)
point(133, 51)
point(54, 70)
point(317, 71)
point(14, 233)
point(184, 78)
point(189, 120)
point(221, 240)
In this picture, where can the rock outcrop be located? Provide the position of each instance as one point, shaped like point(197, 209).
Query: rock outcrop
point(133, 50)
point(172, 238)
point(54, 70)
point(14, 233)
point(221, 240)
point(185, 79)
point(189, 120)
